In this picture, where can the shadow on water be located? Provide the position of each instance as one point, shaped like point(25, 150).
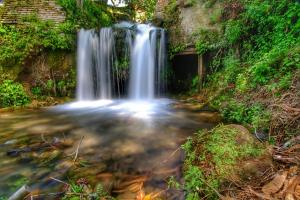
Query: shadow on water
point(122, 141)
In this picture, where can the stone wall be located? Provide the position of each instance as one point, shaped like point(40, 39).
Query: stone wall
point(54, 66)
point(13, 10)
point(159, 11)
point(191, 18)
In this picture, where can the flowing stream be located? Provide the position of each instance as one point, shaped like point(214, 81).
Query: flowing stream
point(122, 142)
point(127, 144)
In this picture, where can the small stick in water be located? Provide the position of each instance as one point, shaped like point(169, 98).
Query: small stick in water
point(77, 150)
point(55, 179)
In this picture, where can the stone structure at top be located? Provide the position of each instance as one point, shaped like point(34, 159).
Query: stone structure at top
point(192, 16)
point(12, 11)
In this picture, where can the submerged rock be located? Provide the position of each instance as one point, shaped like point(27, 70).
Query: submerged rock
point(210, 117)
point(9, 142)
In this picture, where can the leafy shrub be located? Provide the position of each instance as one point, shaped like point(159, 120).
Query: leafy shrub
point(50, 85)
point(233, 31)
point(148, 6)
point(37, 91)
point(21, 42)
point(92, 14)
point(176, 49)
point(231, 68)
point(12, 94)
point(254, 115)
point(258, 49)
point(263, 36)
point(285, 81)
point(195, 84)
point(242, 82)
point(207, 40)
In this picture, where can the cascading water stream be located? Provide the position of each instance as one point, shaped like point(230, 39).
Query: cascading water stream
point(95, 60)
point(99, 71)
point(142, 65)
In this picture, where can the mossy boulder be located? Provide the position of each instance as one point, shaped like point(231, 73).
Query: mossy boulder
point(215, 157)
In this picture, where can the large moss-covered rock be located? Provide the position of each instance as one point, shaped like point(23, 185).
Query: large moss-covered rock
point(216, 157)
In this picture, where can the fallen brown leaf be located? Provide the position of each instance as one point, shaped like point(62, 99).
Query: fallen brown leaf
point(293, 185)
point(289, 197)
point(140, 195)
point(297, 192)
point(275, 185)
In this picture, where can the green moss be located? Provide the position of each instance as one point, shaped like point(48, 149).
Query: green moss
point(211, 156)
point(225, 150)
point(216, 16)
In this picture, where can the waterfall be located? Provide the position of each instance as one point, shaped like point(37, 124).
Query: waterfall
point(142, 65)
point(148, 63)
point(100, 74)
point(84, 66)
point(94, 64)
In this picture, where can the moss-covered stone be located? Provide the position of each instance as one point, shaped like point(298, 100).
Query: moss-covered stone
point(212, 157)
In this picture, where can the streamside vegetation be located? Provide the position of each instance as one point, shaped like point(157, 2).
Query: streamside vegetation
point(254, 81)
point(255, 63)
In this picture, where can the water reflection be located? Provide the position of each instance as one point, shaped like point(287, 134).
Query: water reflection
point(122, 141)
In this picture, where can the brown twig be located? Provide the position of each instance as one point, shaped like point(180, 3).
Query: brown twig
point(77, 150)
point(46, 142)
point(60, 181)
point(262, 196)
point(171, 155)
point(217, 193)
point(45, 195)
